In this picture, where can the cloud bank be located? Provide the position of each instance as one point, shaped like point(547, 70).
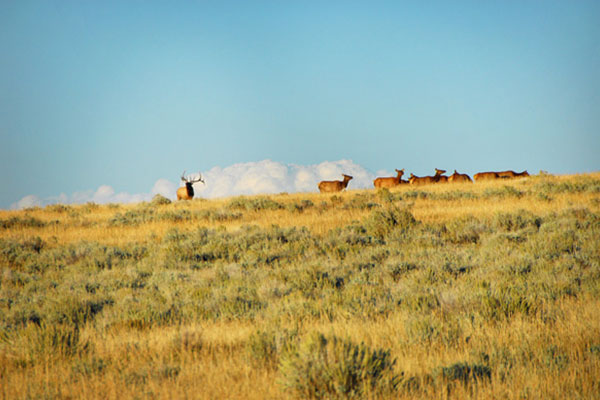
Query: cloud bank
point(268, 177)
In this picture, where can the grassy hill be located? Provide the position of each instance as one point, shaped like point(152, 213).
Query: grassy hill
point(486, 290)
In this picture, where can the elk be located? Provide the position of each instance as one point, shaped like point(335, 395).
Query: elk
point(456, 177)
point(334, 186)
point(512, 174)
point(425, 180)
point(439, 177)
point(187, 192)
point(390, 181)
point(420, 180)
point(486, 176)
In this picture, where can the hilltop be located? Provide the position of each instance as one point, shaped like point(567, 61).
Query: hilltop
point(461, 290)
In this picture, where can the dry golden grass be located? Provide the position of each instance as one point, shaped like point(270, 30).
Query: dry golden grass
point(92, 226)
point(543, 354)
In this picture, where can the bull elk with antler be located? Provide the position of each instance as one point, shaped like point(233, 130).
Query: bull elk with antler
point(187, 192)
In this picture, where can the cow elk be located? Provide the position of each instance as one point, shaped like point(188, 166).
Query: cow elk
point(334, 186)
point(486, 176)
point(439, 177)
point(426, 180)
point(456, 177)
point(512, 174)
point(187, 192)
point(390, 182)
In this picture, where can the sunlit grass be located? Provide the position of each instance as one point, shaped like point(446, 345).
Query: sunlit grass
point(204, 299)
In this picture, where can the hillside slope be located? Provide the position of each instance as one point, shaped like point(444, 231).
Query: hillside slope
point(466, 291)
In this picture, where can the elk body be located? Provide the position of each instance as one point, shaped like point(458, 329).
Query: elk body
point(512, 174)
point(426, 180)
point(334, 186)
point(390, 181)
point(420, 180)
point(486, 176)
point(439, 177)
point(187, 192)
point(456, 177)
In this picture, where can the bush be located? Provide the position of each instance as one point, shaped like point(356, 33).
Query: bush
point(517, 221)
point(22, 222)
point(176, 216)
point(382, 222)
point(336, 368)
point(465, 230)
point(159, 200)
point(399, 270)
point(221, 215)
point(254, 204)
point(301, 206)
point(35, 342)
point(133, 217)
point(464, 373)
point(264, 347)
point(505, 191)
point(508, 301)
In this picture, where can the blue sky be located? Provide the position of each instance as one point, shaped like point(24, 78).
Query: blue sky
point(126, 93)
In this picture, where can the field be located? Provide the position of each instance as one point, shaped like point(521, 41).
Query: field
point(485, 290)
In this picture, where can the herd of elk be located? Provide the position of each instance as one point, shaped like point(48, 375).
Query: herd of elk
point(440, 178)
point(187, 192)
point(334, 186)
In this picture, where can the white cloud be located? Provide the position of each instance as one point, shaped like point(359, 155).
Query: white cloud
point(273, 177)
point(28, 201)
point(265, 176)
point(164, 188)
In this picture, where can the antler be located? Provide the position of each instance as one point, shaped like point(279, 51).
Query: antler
point(197, 180)
point(183, 178)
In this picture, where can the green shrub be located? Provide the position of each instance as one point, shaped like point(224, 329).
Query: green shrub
point(334, 368)
point(417, 194)
point(464, 230)
point(507, 301)
point(555, 358)
point(301, 206)
point(18, 253)
point(586, 184)
point(160, 200)
point(361, 201)
point(265, 347)
point(174, 216)
point(89, 367)
point(516, 221)
point(59, 208)
point(34, 343)
point(254, 204)
point(22, 222)
point(386, 196)
point(188, 341)
point(380, 223)
point(421, 302)
point(464, 373)
point(76, 311)
point(221, 215)
point(504, 192)
point(137, 216)
point(399, 270)
point(456, 195)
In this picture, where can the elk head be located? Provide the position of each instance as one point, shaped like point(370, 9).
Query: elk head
point(187, 192)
